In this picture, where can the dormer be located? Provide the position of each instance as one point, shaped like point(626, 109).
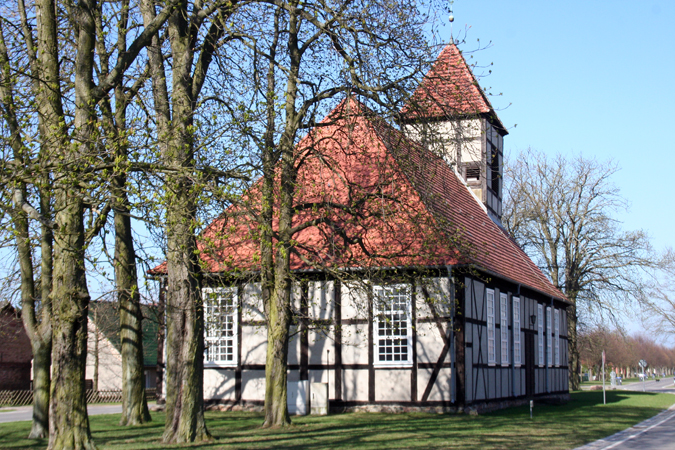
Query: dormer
point(451, 115)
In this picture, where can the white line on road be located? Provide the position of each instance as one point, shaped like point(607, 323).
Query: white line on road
point(639, 432)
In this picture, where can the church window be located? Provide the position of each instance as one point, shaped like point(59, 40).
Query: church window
point(220, 325)
point(540, 333)
point(504, 326)
point(549, 335)
point(516, 331)
point(392, 316)
point(490, 304)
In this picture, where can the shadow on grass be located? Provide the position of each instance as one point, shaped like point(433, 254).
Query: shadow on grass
point(582, 420)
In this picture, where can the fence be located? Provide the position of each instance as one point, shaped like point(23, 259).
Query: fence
point(23, 398)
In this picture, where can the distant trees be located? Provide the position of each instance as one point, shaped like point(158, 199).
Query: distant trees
point(561, 210)
point(623, 352)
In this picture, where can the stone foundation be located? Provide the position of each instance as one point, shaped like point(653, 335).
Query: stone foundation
point(473, 409)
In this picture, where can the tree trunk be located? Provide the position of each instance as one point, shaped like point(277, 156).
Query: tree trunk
point(184, 376)
point(68, 419)
point(38, 331)
point(134, 405)
point(279, 304)
point(41, 365)
point(278, 322)
point(161, 335)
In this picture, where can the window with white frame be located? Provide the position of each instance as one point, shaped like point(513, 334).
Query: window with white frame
point(490, 303)
point(516, 330)
point(540, 333)
point(220, 325)
point(504, 326)
point(556, 339)
point(392, 315)
point(549, 335)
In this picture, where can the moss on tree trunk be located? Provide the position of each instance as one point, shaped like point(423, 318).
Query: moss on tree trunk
point(184, 376)
point(134, 405)
point(276, 378)
point(68, 419)
point(41, 365)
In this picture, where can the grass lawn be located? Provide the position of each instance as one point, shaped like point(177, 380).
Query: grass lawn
point(582, 420)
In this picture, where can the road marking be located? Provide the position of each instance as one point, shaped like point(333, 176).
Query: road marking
point(670, 416)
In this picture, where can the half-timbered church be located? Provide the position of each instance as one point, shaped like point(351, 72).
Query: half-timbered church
point(408, 291)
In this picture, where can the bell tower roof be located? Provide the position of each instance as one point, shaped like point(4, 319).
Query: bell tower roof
point(448, 90)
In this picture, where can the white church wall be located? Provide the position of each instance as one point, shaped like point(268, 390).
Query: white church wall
point(392, 385)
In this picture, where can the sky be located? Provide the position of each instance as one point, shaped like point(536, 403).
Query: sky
point(585, 77)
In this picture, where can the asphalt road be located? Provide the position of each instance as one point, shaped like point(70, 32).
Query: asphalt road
point(651, 385)
point(657, 433)
point(21, 413)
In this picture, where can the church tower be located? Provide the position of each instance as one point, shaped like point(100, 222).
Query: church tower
point(451, 114)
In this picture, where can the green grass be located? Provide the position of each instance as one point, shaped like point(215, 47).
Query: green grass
point(582, 420)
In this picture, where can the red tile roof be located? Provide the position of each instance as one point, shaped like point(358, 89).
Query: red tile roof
point(449, 89)
point(368, 197)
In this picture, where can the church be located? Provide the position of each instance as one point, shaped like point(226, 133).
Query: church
point(408, 292)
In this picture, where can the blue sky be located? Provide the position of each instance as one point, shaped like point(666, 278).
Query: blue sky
point(592, 77)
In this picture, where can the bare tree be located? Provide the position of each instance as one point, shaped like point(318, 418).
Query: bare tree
point(658, 300)
point(560, 211)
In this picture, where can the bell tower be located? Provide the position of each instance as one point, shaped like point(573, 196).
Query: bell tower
point(451, 115)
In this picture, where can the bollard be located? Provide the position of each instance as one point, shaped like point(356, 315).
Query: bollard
point(531, 405)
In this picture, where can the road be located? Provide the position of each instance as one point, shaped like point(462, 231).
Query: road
point(657, 433)
point(21, 413)
point(665, 385)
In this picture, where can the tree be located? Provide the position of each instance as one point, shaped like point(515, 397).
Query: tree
point(560, 211)
point(115, 128)
point(184, 179)
point(51, 62)
point(623, 352)
point(658, 299)
point(293, 69)
point(36, 309)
